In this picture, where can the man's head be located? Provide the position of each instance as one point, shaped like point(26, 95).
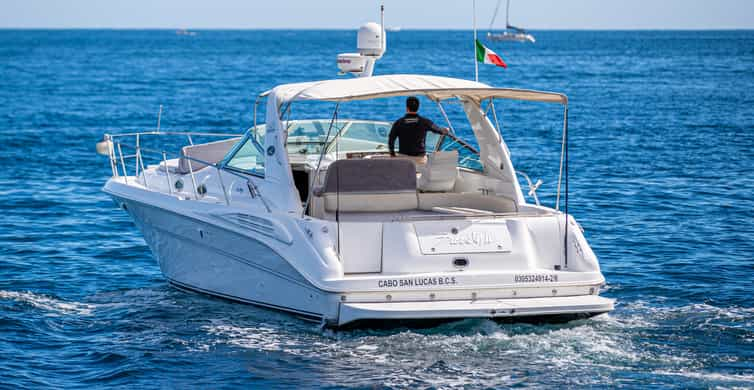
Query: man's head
point(412, 104)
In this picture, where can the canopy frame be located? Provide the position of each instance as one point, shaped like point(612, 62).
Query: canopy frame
point(437, 89)
point(439, 94)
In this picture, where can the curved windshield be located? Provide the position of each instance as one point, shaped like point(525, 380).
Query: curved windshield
point(249, 157)
point(363, 136)
point(308, 137)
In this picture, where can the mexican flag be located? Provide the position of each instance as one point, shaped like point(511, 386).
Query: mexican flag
point(487, 56)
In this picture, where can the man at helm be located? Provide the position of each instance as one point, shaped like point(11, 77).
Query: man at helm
point(411, 131)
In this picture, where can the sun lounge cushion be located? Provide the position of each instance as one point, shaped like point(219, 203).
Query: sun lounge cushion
point(212, 152)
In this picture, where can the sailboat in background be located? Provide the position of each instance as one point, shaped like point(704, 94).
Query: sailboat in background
point(512, 33)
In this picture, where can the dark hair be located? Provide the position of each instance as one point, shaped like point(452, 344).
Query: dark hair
point(412, 103)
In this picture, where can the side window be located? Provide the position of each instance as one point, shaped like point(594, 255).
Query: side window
point(249, 157)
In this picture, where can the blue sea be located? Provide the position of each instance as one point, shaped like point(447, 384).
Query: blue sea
point(661, 178)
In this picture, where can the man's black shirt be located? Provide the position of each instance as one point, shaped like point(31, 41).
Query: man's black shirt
point(411, 130)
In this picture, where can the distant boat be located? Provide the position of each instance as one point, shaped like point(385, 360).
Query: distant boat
point(393, 28)
point(512, 32)
point(185, 32)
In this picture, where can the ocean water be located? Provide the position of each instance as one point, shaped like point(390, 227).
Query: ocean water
point(662, 179)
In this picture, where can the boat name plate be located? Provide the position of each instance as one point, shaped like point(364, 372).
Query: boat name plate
point(459, 238)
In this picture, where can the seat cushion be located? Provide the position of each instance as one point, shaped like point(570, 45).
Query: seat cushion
point(440, 173)
point(212, 152)
point(496, 204)
point(367, 185)
point(371, 203)
point(369, 176)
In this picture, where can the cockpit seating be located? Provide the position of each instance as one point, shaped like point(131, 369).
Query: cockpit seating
point(369, 185)
point(440, 172)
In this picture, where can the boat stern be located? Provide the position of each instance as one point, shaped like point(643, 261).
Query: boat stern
point(548, 309)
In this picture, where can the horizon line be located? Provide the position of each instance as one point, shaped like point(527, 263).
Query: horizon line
point(2, 28)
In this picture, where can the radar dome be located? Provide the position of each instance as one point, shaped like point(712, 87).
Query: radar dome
point(371, 40)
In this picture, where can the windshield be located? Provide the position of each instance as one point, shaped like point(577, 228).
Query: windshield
point(248, 157)
point(308, 137)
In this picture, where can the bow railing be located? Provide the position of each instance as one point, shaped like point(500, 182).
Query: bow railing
point(113, 145)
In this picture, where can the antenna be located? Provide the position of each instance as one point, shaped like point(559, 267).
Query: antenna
point(473, 23)
point(382, 27)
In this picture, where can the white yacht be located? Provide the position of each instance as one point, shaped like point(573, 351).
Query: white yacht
point(309, 214)
point(512, 33)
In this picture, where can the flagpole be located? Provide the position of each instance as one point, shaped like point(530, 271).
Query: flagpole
point(476, 64)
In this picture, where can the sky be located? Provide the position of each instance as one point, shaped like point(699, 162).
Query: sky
point(349, 14)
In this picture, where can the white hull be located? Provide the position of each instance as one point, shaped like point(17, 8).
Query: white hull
point(197, 255)
point(511, 37)
point(195, 252)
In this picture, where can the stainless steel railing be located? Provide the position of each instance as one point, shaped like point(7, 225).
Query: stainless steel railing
point(112, 146)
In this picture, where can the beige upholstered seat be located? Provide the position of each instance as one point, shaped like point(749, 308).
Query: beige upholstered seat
point(369, 185)
point(440, 173)
point(470, 201)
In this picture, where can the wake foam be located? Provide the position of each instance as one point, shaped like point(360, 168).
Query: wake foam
point(48, 303)
point(477, 352)
point(708, 376)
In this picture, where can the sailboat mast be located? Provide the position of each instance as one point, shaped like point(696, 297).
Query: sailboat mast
point(507, 11)
point(494, 14)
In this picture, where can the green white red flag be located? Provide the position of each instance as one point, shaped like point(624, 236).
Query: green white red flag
point(487, 56)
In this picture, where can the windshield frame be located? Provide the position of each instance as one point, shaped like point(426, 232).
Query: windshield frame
point(250, 136)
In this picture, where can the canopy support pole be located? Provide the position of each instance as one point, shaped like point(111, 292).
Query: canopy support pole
point(445, 116)
point(562, 156)
point(494, 116)
point(450, 126)
point(325, 146)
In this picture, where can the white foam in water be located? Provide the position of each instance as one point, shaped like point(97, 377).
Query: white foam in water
point(708, 376)
point(259, 338)
point(48, 303)
point(605, 344)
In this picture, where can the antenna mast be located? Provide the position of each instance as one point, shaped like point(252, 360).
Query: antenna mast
point(473, 22)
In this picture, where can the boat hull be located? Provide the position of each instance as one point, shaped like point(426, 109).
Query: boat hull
point(199, 256)
point(196, 254)
point(512, 37)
